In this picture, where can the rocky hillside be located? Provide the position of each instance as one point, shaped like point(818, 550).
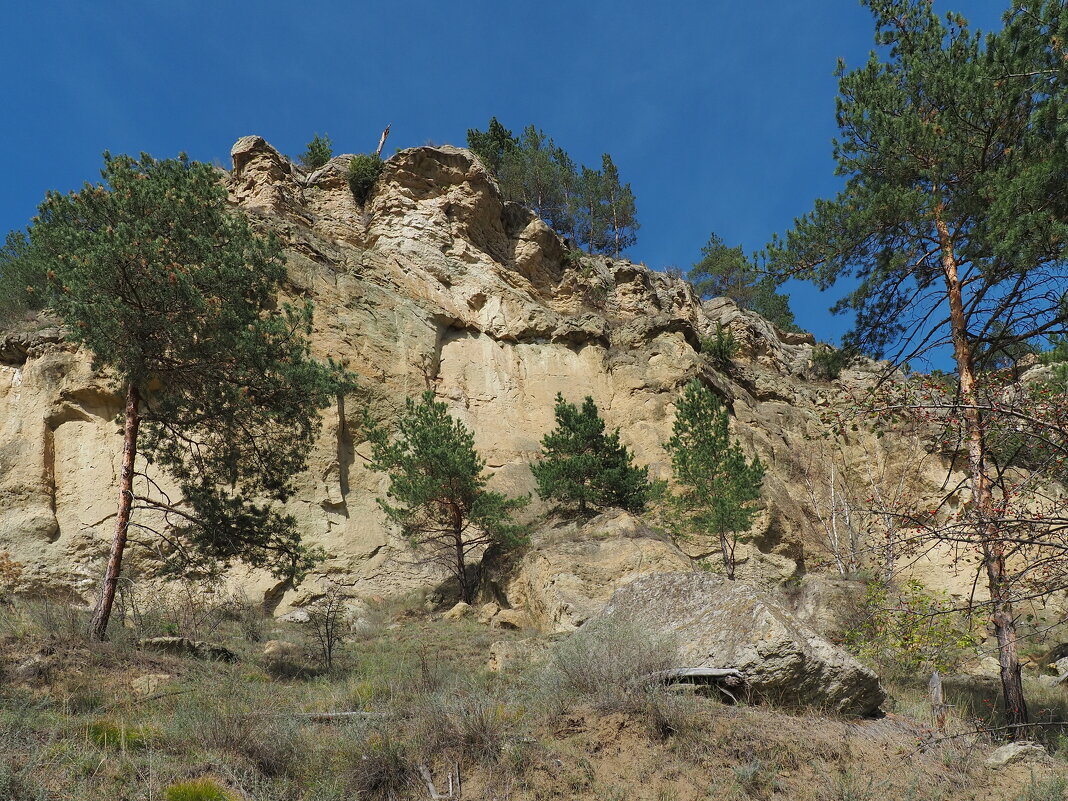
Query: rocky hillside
point(440, 284)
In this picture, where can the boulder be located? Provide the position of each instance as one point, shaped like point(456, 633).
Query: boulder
point(461, 610)
point(563, 581)
point(149, 683)
point(729, 624)
point(514, 619)
point(281, 651)
point(35, 669)
point(183, 646)
point(1014, 753)
point(487, 611)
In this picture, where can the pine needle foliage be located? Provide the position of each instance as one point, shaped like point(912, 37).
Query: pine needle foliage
point(726, 272)
point(719, 486)
point(593, 208)
point(583, 465)
point(952, 229)
point(437, 490)
point(319, 151)
point(20, 286)
point(176, 298)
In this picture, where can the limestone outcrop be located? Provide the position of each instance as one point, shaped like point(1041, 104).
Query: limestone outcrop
point(435, 283)
point(569, 575)
point(729, 624)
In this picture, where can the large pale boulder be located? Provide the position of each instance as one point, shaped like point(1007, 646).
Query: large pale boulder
point(729, 624)
point(568, 576)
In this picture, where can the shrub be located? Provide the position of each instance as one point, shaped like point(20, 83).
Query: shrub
point(757, 778)
point(383, 769)
point(610, 664)
point(720, 348)
point(1050, 788)
point(909, 627)
point(197, 790)
point(364, 170)
point(17, 783)
point(109, 734)
point(248, 615)
point(829, 362)
point(466, 723)
point(317, 153)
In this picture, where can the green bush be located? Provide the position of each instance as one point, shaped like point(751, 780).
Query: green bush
point(109, 734)
point(197, 790)
point(720, 348)
point(909, 627)
point(1049, 788)
point(364, 170)
point(317, 153)
point(830, 362)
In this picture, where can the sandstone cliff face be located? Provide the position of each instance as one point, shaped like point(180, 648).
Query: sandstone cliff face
point(436, 283)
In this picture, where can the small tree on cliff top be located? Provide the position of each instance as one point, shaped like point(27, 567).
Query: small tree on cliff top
point(584, 465)
point(954, 223)
point(176, 298)
point(318, 152)
point(437, 488)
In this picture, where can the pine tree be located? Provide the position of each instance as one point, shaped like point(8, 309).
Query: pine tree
point(437, 490)
point(591, 216)
point(954, 225)
point(317, 153)
point(20, 287)
point(726, 272)
point(590, 207)
point(719, 485)
point(582, 464)
point(620, 210)
point(173, 294)
point(493, 145)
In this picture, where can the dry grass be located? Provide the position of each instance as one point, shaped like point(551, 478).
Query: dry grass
point(583, 726)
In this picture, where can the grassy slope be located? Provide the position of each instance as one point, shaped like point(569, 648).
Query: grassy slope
point(74, 727)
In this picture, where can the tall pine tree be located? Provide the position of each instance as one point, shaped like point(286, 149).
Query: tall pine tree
point(175, 297)
point(953, 226)
point(726, 272)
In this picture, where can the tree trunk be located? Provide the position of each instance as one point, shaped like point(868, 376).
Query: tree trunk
point(382, 141)
point(993, 548)
point(728, 555)
point(99, 625)
point(467, 594)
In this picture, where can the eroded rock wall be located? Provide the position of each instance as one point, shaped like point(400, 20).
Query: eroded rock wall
point(436, 284)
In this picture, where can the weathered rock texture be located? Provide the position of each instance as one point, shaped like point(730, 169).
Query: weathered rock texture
point(435, 283)
point(729, 624)
point(569, 575)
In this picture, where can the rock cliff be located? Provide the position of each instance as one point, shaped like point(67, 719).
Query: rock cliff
point(437, 283)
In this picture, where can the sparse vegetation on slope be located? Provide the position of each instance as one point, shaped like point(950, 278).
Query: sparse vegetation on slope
point(411, 698)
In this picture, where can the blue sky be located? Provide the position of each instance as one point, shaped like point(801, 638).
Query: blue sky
point(720, 114)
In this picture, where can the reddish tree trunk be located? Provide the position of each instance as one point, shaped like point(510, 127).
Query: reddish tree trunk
point(993, 548)
point(99, 625)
